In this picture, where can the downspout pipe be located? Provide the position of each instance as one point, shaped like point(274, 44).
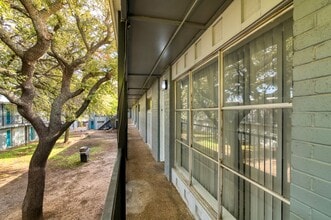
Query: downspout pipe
point(169, 43)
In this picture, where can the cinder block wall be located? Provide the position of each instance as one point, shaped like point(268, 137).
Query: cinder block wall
point(311, 122)
point(168, 154)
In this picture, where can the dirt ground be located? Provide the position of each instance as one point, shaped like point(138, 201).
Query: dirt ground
point(71, 193)
point(149, 195)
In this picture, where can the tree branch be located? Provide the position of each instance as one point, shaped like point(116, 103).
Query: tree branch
point(39, 20)
point(91, 93)
point(27, 112)
point(76, 93)
point(94, 46)
point(84, 80)
point(16, 48)
point(19, 9)
point(87, 101)
point(81, 31)
point(11, 96)
point(24, 109)
point(52, 9)
point(58, 57)
point(7, 72)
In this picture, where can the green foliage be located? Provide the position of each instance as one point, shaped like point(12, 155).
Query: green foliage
point(55, 55)
point(105, 101)
point(76, 28)
point(21, 151)
point(65, 161)
point(63, 156)
point(70, 158)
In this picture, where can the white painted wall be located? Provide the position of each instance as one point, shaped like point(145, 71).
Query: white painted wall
point(231, 25)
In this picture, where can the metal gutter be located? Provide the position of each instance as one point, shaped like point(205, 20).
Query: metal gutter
point(114, 15)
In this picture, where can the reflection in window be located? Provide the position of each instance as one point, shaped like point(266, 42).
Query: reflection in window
point(182, 156)
point(253, 144)
point(256, 142)
point(182, 126)
point(205, 86)
point(205, 126)
point(205, 132)
point(254, 73)
point(205, 172)
point(197, 127)
point(182, 93)
point(182, 123)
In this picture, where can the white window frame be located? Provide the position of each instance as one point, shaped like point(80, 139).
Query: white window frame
point(284, 105)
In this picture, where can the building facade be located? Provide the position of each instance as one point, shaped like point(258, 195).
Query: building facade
point(242, 117)
point(14, 129)
point(96, 121)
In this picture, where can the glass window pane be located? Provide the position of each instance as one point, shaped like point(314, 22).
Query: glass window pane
point(182, 93)
point(287, 113)
point(288, 62)
point(205, 86)
point(256, 142)
point(235, 74)
point(205, 172)
point(246, 201)
point(205, 132)
point(260, 72)
point(182, 126)
point(252, 145)
point(182, 156)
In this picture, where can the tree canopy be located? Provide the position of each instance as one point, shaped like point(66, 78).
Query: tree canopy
point(55, 57)
point(81, 51)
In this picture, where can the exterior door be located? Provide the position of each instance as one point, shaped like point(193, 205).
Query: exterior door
point(32, 134)
point(162, 126)
point(149, 128)
point(8, 121)
point(8, 138)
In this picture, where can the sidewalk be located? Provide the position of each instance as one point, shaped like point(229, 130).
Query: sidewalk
point(149, 194)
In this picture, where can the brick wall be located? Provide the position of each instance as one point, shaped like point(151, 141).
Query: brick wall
point(311, 121)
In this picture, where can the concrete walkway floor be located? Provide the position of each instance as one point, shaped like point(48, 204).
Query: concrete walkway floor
point(149, 194)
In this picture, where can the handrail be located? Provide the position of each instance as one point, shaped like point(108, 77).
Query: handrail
point(113, 200)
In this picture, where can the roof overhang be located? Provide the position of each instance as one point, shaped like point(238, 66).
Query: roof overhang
point(158, 32)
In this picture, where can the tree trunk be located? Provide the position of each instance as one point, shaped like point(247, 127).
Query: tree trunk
point(33, 200)
point(32, 208)
point(66, 136)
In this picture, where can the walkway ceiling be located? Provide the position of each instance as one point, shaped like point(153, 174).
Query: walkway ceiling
point(158, 31)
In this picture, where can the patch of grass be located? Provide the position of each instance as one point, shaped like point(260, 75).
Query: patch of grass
point(62, 155)
point(25, 150)
point(65, 161)
point(20, 151)
point(69, 159)
point(23, 153)
point(95, 150)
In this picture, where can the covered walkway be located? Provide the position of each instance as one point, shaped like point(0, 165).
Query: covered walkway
point(149, 194)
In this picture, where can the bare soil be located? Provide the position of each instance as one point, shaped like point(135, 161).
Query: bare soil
point(149, 195)
point(71, 193)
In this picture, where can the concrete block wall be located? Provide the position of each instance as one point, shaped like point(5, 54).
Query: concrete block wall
point(3, 137)
point(168, 154)
point(18, 136)
point(155, 119)
point(191, 201)
point(311, 121)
